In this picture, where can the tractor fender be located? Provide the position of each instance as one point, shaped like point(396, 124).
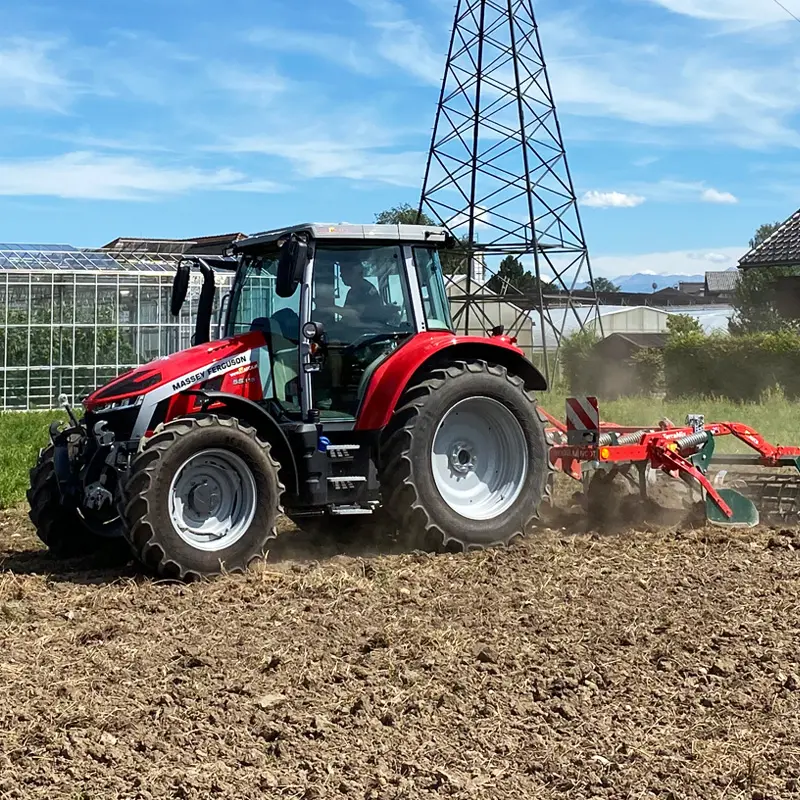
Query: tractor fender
point(267, 426)
point(390, 379)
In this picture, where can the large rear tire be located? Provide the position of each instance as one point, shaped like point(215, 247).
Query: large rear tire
point(465, 459)
point(59, 523)
point(202, 497)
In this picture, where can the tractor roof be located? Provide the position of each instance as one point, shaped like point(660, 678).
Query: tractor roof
point(357, 234)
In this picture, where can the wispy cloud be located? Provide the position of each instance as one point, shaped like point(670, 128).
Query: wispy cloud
point(89, 176)
point(404, 42)
point(756, 12)
point(596, 199)
point(31, 78)
point(326, 46)
point(318, 156)
point(260, 87)
point(671, 85)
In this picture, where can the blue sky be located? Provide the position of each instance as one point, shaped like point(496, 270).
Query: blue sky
point(175, 118)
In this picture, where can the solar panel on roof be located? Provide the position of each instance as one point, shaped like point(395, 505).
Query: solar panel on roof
point(68, 258)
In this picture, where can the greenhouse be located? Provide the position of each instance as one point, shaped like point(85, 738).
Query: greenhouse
point(72, 319)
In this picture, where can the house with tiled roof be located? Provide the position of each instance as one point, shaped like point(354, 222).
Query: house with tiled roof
point(781, 249)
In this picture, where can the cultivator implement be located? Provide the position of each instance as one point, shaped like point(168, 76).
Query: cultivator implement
point(595, 453)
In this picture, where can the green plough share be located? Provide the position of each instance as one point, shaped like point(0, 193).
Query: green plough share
point(745, 512)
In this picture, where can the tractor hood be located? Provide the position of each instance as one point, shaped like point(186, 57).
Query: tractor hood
point(183, 370)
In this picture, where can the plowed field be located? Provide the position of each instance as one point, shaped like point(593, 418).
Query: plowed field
point(656, 663)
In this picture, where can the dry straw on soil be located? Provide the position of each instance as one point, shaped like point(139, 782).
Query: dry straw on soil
point(651, 664)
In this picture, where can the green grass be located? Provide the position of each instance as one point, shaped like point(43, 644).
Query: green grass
point(22, 434)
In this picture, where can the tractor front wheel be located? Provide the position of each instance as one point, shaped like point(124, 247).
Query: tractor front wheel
point(59, 523)
point(202, 497)
point(465, 458)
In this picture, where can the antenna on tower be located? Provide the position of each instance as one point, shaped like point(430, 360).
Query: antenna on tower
point(497, 170)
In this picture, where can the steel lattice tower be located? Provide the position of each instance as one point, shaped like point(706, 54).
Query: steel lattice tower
point(497, 173)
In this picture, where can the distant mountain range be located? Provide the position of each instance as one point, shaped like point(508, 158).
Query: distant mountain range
point(642, 282)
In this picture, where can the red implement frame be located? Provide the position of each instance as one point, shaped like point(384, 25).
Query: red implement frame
point(657, 447)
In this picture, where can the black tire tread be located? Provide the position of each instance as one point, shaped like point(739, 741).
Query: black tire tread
point(135, 509)
point(60, 528)
point(400, 495)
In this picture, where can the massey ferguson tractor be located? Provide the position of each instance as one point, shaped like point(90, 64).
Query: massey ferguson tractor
point(336, 386)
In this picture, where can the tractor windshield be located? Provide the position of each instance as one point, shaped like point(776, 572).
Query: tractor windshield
point(361, 296)
point(255, 305)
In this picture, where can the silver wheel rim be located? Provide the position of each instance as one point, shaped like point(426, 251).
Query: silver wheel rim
point(479, 458)
point(212, 500)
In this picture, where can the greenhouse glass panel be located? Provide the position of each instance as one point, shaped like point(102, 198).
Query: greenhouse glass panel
point(72, 319)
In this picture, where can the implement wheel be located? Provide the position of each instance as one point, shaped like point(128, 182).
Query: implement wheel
point(59, 522)
point(465, 459)
point(202, 497)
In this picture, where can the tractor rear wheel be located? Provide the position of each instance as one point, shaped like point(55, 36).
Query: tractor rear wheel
point(465, 458)
point(202, 497)
point(59, 524)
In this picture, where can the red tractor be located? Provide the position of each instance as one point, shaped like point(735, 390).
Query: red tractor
point(337, 386)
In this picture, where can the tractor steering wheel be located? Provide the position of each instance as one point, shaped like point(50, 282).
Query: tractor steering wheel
point(369, 339)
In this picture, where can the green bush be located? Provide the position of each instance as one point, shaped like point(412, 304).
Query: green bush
point(648, 367)
point(739, 368)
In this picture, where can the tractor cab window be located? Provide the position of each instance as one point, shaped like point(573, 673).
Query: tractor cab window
point(361, 297)
point(256, 306)
point(434, 294)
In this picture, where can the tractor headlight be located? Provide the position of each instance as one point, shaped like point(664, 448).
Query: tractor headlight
point(117, 405)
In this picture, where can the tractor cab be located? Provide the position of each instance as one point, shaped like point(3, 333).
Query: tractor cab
point(333, 302)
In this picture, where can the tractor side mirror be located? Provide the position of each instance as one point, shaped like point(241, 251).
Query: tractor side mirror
point(180, 287)
point(291, 265)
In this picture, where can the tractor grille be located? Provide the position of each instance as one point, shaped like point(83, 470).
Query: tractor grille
point(120, 421)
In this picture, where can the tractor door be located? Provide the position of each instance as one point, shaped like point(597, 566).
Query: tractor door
point(361, 297)
point(255, 305)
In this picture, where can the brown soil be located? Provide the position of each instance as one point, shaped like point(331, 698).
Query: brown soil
point(644, 664)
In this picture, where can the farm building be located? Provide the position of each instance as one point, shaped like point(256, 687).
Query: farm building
point(73, 319)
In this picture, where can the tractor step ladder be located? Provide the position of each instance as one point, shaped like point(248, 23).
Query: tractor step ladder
point(346, 482)
point(342, 452)
point(350, 511)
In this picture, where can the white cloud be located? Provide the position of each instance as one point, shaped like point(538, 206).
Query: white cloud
point(663, 191)
point(89, 176)
point(30, 79)
point(676, 262)
point(713, 258)
point(597, 199)
point(716, 196)
point(482, 219)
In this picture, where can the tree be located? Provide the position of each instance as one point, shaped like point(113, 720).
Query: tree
point(454, 262)
point(404, 214)
point(683, 325)
point(605, 285)
point(511, 278)
point(754, 301)
point(763, 233)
